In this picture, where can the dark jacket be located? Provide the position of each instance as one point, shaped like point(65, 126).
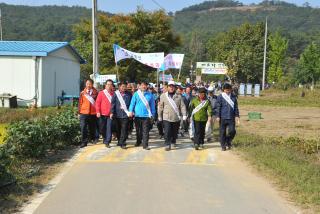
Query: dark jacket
point(116, 106)
point(224, 110)
point(213, 100)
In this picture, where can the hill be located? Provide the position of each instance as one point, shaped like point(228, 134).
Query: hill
point(299, 24)
point(50, 23)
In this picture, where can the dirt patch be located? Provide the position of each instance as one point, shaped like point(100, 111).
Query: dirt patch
point(283, 121)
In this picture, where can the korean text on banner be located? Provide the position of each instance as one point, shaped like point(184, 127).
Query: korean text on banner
point(153, 60)
point(172, 61)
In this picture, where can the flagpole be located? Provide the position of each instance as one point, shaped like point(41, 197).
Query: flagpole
point(158, 87)
point(179, 75)
point(118, 77)
point(163, 79)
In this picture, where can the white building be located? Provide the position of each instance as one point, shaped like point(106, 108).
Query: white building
point(39, 70)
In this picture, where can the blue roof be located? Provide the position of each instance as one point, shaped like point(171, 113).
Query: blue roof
point(34, 48)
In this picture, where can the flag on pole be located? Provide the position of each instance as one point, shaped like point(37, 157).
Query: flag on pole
point(153, 60)
point(172, 61)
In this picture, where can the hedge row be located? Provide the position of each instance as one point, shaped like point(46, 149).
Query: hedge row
point(307, 146)
point(35, 139)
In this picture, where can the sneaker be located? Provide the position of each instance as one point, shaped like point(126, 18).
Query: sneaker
point(167, 148)
point(196, 146)
point(224, 149)
point(107, 145)
point(83, 145)
point(146, 148)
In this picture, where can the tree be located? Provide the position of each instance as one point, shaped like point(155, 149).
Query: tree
point(308, 70)
point(277, 55)
point(241, 49)
point(139, 32)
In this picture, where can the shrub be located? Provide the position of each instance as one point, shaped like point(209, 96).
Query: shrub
point(35, 138)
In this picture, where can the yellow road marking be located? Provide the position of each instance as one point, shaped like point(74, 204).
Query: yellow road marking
point(118, 154)
point(155, 156)
point(89, 150)
point(197, 157)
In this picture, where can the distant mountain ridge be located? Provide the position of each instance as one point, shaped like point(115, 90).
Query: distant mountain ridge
point(299, 24)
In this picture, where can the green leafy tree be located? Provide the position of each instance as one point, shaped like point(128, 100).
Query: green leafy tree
point(277, 54)
point(139, 32)
point(308, 70)
point(241, 49)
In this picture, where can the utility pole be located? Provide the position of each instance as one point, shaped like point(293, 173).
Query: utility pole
point(265, 55)
point(1, 35)
point(95, 54)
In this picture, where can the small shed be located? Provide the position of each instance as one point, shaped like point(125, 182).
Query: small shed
point(39, 71)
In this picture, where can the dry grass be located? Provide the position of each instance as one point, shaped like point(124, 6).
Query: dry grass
point(302, 122)
point(2, 132)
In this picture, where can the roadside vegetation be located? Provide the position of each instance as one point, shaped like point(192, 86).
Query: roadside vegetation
point(32, 151)
point(284, 145)
point(293, 97)
point(292, 163)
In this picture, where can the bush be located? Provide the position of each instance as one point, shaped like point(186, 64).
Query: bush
point(2, 133)
point(35, 138)
point(307, 146)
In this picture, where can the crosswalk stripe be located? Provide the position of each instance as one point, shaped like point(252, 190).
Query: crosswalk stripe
point(197, 157)
point(117, 155)
point(155, 156)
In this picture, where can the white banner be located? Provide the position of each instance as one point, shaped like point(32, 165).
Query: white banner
point(103, 78)
point(172, 61)
point(214, 70)
point(211, 65)
point(165, 77)
point(153, 60)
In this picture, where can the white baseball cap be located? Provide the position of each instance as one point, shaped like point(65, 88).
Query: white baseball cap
point(171, 82)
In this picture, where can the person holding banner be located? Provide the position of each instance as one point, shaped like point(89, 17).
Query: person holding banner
point(103, 106)
point(142, 107)
point(120, 113)
point(227, 114)
point(200, 110)
point(171, 110)
point(87, 113)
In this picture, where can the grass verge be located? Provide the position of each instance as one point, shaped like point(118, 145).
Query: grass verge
point(291, 97)
point(294, 170)
point(31, 176)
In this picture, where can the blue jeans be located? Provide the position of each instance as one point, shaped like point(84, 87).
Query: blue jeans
point(105, 128)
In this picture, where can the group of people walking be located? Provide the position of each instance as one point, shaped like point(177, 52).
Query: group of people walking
point(189, 109)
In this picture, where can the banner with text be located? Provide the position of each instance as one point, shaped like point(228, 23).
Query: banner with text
point(165, 77)
point(212, 67)
point(172, 61)
point(103, 78)
point(153, 60)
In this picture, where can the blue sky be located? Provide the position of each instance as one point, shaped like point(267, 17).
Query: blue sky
point(125, 6)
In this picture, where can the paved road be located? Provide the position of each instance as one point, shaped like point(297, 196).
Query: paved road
point(136, 181)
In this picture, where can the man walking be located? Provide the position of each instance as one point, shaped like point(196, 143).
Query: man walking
point(87, 113)
point(227, 115)
point(142, 106)
point(171, 110)
point(103, 106)
point(120, 113)
point(200, 109)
